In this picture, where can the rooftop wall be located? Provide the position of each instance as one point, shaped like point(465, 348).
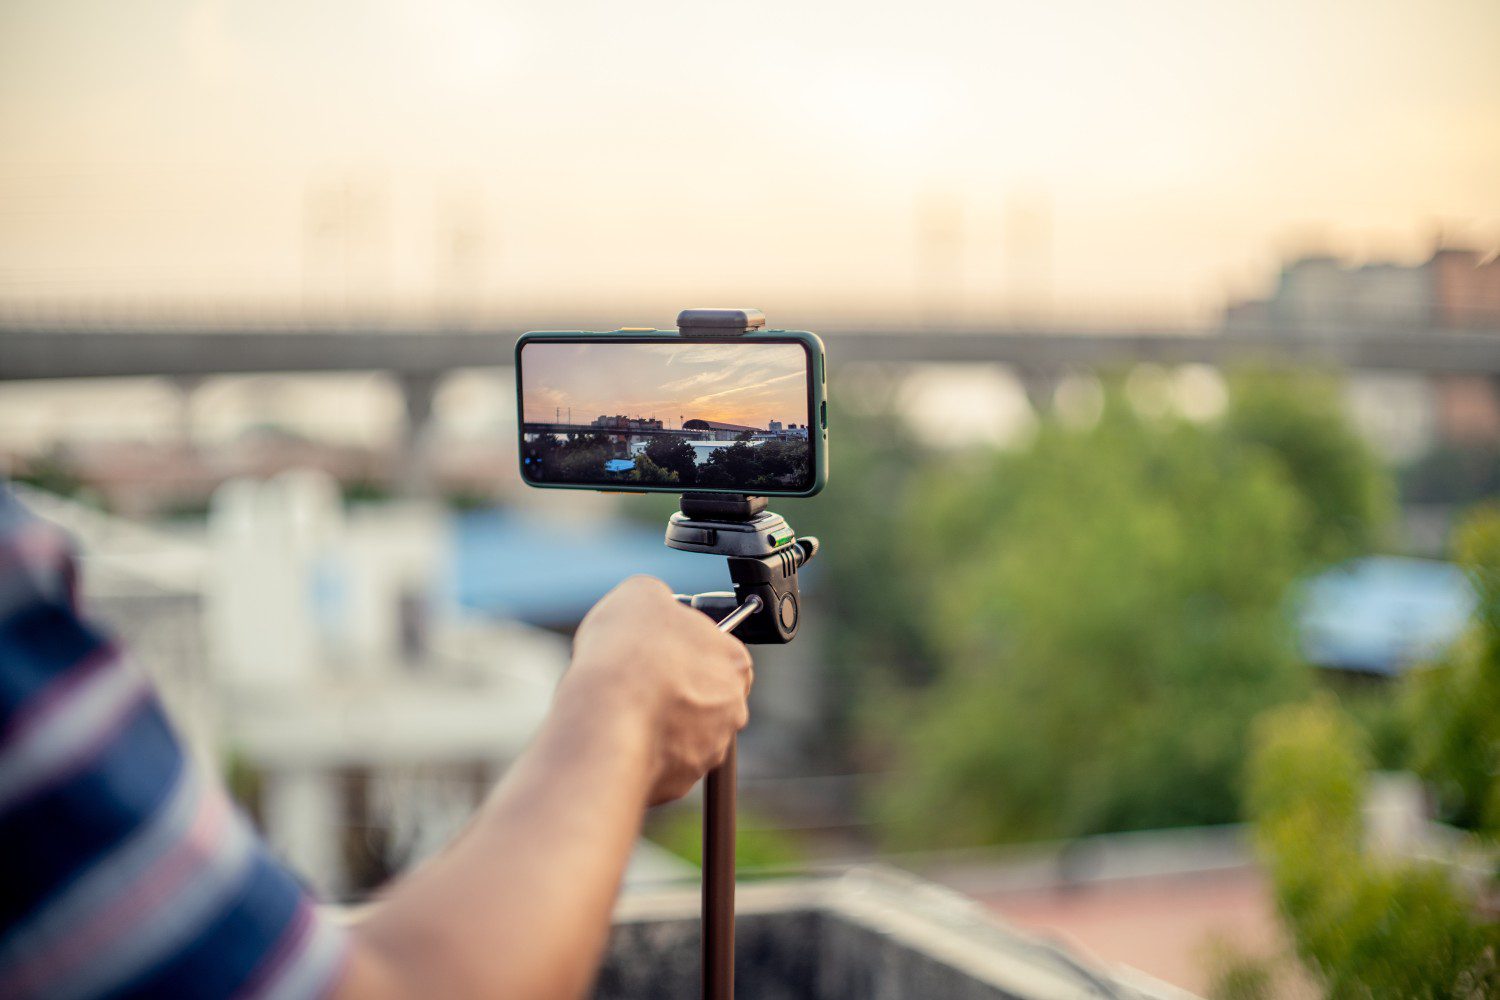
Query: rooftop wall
point(871, 935)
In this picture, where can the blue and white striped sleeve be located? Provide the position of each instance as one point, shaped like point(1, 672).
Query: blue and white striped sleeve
point(126, 872)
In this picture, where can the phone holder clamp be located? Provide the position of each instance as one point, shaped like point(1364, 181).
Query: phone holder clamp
point(764, 556)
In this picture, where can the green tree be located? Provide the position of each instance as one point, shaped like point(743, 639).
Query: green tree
point(647, 471)
point(1107, 611)
point(1298, 419)
point(781, 464)
point(1454, 706)
point(733, 466)
point(576, 458)
point(871, 600)
point(581, 464)
point(1365, 927)
point(674, 454)
point(766, 465)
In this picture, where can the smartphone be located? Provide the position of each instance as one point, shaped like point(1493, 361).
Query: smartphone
point(653, 411)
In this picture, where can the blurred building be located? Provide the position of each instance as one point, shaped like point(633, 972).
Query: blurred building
point(143, 478)
point(146, 585)
point(1454, 289)
point(1466, 289)
point(1383, 615)
point(315, 658)
point(1468, 408)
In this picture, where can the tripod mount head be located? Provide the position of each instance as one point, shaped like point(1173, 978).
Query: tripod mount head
point(764, 556)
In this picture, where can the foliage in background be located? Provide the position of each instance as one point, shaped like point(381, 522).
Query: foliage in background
point(1377, 926)
point(51, 473)
point(1104, 612)
point(769, 465)
point(1367, 927)
point(1299, 420)
point(748, 464)
point(1236, 974)
point(1379, 708)
point(756, 843)
point(647, 471)
point(673, 455)
point(870, 599)
point(366, 491)
point(1108, 608)
point(1455, 705)
point(1072, 637)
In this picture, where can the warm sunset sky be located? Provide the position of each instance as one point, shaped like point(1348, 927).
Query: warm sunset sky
point(949, 159)
point(750, 384)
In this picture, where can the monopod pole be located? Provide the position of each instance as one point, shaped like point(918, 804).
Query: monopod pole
point(718, 855)
point(718, 880)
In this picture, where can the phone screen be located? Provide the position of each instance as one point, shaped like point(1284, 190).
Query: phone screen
point(667, 415)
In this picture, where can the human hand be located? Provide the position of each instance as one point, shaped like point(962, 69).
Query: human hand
point(638, 650)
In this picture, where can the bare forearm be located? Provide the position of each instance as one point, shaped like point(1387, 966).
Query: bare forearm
point(519, 905)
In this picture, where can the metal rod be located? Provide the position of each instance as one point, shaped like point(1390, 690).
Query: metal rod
point(718, 854)
point(731, 621)
point(718, 880)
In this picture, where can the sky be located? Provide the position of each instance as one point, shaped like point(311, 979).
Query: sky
point(833, 162)
point(748, 384)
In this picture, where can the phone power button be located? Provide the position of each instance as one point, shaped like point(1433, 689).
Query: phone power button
point(823, 415)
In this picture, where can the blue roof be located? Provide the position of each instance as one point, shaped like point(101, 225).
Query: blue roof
point(619, 465)
point(550, 572)
point(1383, 614)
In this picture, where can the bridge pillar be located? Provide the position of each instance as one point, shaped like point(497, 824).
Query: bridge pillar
point(1040, 387)
point(185, 386)
point(414, 469)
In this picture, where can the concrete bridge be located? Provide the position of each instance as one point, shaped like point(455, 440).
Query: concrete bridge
point(412, 354)
point(419, 358)
point(545, 428)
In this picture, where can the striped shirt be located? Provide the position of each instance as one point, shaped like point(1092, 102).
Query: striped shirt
point(124, 872)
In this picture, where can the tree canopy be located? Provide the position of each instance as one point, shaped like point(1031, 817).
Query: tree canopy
point(1108, 610)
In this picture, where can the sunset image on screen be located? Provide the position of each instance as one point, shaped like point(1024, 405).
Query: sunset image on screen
point(726, 416)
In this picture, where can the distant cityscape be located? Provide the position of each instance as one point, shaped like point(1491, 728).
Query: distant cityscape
point(1455, 288)
point(198, 430)
point(634, 435)
point(642, 449)
point(698, 427)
